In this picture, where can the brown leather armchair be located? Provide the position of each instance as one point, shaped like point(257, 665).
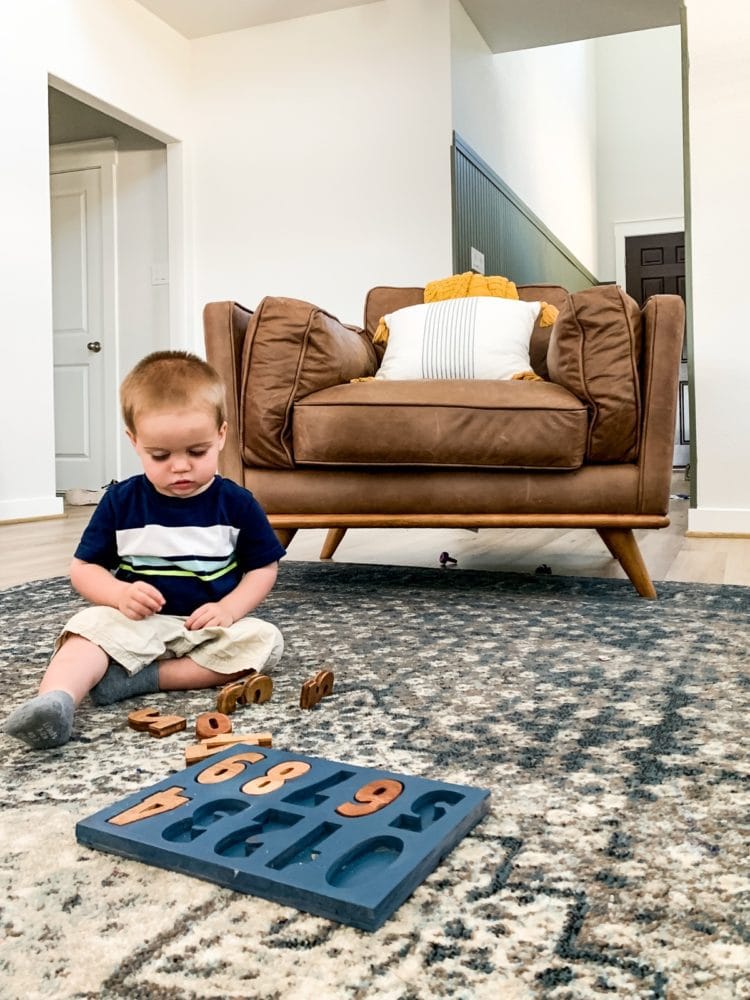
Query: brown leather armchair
point(589, 445)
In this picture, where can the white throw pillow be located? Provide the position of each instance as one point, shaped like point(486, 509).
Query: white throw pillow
point(468, 338)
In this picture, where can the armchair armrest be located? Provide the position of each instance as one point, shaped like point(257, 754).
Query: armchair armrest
point(663, 332)
point(225, 325)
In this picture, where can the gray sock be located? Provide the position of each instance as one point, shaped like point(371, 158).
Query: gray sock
point(117, 684)
point(44, 722)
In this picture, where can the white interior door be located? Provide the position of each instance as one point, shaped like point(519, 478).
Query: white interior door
point(77, 317)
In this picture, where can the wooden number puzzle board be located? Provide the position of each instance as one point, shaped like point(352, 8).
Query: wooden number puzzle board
point(345, 842)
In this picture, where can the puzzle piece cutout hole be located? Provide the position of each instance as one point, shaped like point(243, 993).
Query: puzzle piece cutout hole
point(242, 843)
point(426, 810)
point(304, 851)
point(365, 862)
point(312, 794)
point(194, 826)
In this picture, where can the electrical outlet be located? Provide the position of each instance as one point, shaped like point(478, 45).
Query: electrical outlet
point(477, 260)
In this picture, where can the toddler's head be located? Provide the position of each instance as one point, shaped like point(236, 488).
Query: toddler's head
point(171, 380)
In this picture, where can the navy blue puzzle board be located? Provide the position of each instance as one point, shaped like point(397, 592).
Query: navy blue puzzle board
point(345, 842)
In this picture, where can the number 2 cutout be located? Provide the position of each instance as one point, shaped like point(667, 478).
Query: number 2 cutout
point(371, 797)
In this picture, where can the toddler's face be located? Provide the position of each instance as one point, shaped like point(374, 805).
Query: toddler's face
point(179, 450)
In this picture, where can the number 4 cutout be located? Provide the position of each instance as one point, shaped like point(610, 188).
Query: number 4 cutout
point(152, 805)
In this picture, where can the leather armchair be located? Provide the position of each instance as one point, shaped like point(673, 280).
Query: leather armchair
point(589, 445)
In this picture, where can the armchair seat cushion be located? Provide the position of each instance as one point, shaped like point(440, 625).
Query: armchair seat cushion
point(460, 423)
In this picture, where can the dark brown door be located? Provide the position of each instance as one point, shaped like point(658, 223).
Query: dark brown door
point(655, 265)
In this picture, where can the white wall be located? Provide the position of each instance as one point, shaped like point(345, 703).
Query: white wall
point(531, 116)
point(142, 243)
point(322, 162)
point(130, 61)
point(638, 87)
point(718, 35)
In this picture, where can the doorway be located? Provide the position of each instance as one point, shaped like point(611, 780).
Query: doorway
point(110, 280)
point(650, 260)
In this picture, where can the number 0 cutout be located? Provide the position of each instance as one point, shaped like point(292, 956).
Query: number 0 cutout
point(371, 797)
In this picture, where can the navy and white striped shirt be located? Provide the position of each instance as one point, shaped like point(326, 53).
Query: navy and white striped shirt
point(194, 550)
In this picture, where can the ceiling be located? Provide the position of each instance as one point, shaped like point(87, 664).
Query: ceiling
point(506, 25)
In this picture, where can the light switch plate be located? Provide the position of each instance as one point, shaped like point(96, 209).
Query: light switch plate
point(477, 260)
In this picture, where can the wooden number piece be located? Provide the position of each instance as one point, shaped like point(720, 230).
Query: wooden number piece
point(275, 777)
point(142, 718)
point(153, 805)
point(228, 767)
point(324, 680)
point(150, 720)
point(256, 690)
point(212, 724)
point(226, 702)
point(313, 690)
point(165, 725)
point(212, 745)
point(371, 797)
point(228, 739)
point(199, 751)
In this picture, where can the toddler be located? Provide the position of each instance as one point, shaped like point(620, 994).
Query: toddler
point(172, 561)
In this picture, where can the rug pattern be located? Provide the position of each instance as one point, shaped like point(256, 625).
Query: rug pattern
point(612, 732)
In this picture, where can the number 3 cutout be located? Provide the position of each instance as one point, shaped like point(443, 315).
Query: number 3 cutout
point(371, 797)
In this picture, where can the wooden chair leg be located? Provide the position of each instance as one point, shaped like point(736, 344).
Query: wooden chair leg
point(623, 546)
point(285, 535)
point(332, 542)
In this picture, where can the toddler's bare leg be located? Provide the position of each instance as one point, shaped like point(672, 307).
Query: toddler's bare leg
point(76, 667)
point(184, 674)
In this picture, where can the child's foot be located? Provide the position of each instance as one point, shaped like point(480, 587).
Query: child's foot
point(117, 684)
point(44, 722)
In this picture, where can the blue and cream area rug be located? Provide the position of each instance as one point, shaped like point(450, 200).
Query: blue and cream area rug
point(612, 731)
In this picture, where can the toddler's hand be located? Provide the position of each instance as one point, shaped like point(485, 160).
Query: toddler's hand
point(209, 614)
point(140, 600)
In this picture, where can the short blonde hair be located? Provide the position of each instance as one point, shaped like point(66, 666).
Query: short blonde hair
point(171, 378)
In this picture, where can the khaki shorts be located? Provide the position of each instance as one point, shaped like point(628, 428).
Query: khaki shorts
point(249, 643)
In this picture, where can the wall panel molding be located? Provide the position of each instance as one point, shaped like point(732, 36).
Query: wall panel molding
point(489, 216)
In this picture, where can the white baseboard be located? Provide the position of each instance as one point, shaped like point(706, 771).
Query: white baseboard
point(718, 521)
point(30, 508)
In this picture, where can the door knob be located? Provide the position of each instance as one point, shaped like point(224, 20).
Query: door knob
point(94, 345)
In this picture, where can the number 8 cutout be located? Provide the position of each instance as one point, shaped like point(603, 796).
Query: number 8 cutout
point(275, 777)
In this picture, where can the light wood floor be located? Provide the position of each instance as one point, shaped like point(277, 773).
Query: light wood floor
point(38, 550)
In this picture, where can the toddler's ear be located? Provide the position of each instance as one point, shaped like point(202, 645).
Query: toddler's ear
point(131, 435)
point(222, 435)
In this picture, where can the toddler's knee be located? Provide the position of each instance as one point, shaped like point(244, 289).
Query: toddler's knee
point(90, 619)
